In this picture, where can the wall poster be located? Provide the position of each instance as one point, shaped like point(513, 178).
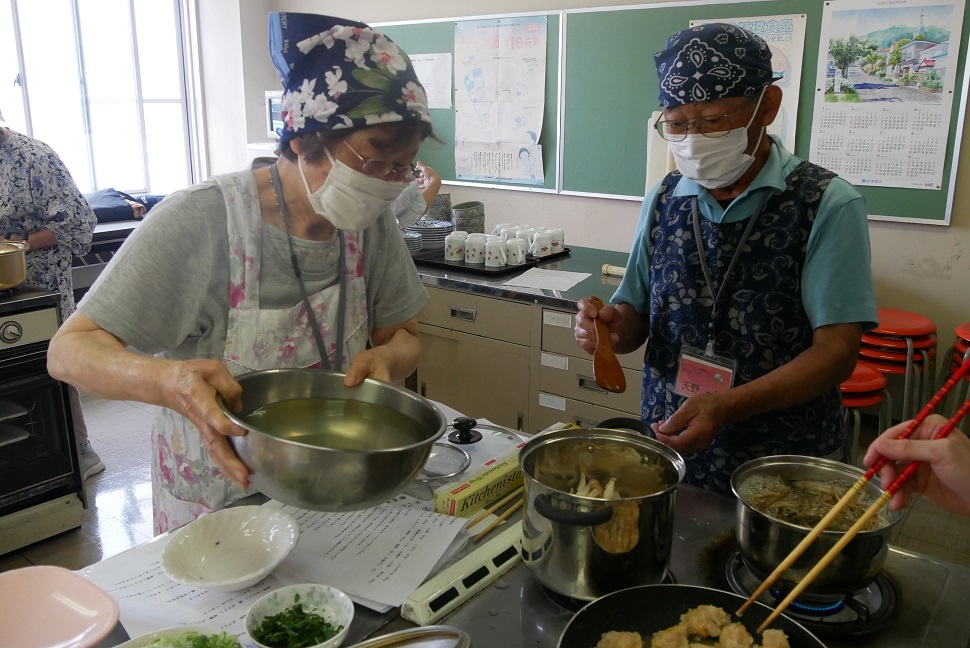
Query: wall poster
point(500, 85)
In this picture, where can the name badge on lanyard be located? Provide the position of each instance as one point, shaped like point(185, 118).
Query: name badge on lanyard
point(704, 371)
point(698, 373)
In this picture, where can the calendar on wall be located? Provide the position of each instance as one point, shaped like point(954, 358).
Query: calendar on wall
point(884, 91)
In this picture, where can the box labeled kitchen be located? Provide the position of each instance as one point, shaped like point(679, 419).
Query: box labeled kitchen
point(477, 490)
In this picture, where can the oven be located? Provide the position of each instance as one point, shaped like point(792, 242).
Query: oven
point(41, 491)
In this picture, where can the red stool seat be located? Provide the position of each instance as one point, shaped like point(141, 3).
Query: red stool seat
point(894, 342)
point(963, 331)
point(903, 323)
point(863, 379)
point(873, 353)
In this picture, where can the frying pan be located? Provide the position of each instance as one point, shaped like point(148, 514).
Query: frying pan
point(650, 608)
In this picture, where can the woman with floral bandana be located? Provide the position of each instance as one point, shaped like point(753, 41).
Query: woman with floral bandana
point(300, 264)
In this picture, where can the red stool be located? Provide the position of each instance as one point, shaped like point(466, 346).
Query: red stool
point(955, 356)
point(895, 346)
point(866, 387)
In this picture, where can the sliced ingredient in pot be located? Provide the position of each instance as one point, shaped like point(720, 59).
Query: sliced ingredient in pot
point(295, 628)
point(806, 502)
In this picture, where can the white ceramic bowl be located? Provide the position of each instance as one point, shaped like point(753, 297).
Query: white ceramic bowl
point(43, 606)
point(329, 602)
point(230, 549)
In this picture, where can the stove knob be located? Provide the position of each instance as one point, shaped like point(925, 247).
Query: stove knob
point(11, 332)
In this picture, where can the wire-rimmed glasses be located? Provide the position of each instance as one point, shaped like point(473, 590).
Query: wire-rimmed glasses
point(675, 130)
point(383, 170)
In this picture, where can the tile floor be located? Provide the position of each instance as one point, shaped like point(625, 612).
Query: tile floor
point(121, 514)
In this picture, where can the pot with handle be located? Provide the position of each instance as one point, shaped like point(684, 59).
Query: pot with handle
point(13, 260)
point(765, 541)
point(585, 544)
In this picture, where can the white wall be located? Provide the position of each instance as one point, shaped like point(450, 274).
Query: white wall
point(923, 268)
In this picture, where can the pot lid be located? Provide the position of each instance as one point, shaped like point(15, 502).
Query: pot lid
point(444, 462)
point(426, 637)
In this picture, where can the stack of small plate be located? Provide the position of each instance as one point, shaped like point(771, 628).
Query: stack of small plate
point(412, 240)
point(433, 232)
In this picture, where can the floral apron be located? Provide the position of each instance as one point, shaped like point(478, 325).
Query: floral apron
point(185, 482)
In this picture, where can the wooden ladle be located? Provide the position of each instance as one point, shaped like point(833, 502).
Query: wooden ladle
point(607, 371)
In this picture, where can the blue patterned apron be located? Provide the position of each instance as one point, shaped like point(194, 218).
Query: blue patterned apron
point(761, 322)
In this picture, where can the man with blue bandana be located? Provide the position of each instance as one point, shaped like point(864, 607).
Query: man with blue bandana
point(299, 264)
point(749, 275)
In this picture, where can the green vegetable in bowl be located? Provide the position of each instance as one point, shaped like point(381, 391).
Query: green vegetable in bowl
point(193, 639)
point(295, 628)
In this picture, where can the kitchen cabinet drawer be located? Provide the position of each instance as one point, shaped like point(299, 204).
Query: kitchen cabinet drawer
point(558, 337)
point(573, 378)
point(478, 376)
point(500, 319)
point(552, 409)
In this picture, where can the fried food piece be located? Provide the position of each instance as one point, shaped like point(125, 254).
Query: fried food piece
point(614, 639)
point(774, 639)
point(735, 635)
point(674, 637)
point(705, 621)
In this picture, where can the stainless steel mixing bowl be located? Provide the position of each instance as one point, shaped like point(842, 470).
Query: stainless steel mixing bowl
point(327, 478)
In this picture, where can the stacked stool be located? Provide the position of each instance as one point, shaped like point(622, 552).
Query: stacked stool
point(903, 344)
point(954, 358)
point(866, 387)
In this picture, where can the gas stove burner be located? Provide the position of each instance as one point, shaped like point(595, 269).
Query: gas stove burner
point(575, 604)
point(853, 614)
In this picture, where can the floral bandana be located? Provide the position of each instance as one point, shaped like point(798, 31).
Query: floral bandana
point(339, 73)
point(710, 62)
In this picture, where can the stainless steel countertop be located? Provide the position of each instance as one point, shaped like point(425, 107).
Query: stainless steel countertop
point(579, 259)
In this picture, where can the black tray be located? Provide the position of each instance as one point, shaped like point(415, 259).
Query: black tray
point(436, 258)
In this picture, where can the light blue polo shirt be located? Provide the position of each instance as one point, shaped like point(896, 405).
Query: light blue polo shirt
point(837, 285)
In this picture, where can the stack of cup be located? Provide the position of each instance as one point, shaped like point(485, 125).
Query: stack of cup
point(455, 246)
point(469, 216)
point(440, 208)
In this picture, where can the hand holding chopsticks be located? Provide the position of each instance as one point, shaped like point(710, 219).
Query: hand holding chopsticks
point(856, 489)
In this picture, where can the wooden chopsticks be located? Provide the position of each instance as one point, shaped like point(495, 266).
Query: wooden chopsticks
point(494, 507)
point(901, 479)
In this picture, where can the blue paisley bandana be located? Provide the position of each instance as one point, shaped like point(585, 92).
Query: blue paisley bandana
point(339, 73)
point(713, 61)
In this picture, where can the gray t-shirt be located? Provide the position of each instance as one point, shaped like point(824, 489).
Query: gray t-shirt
point(167, 289)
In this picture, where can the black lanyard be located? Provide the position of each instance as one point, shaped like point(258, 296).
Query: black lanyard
point(698, 237)
point(342, 296)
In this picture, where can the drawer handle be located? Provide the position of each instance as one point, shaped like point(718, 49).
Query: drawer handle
point(467, 314)
point(587, 382)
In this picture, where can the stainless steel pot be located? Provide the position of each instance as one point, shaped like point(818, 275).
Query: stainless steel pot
point(585, 547)
point(13, 263)
point(765, 542)
point(355, 471)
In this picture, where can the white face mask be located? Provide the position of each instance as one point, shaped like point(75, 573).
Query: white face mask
point(349, 199)
point(715, 162)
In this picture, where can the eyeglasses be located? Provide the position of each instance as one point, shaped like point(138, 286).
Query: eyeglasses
point(675, 130)
point(383, 170)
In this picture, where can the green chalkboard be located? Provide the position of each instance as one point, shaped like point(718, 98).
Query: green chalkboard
point(610, 90)
point(436, 37)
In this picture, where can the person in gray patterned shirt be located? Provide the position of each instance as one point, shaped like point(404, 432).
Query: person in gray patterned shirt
point(41, 204)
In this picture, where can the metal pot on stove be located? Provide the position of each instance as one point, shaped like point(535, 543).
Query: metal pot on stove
point(13, 263)
point(766, 540)
point(583, 540)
